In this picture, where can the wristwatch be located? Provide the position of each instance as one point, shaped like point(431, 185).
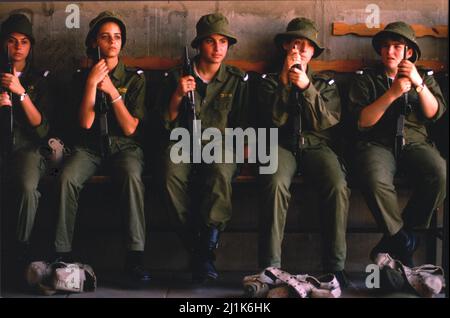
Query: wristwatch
point(420, 87)
point(22, 96)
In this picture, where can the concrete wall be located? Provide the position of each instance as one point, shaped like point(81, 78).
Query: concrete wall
point(160, 28)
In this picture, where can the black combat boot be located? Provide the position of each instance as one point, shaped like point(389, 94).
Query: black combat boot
point(20, 258)
point(342, 278)
point(204, 257)
point(404, 246)
point(23, 254)
point(134, 269)
point(401, 246)
point(65, 257)
point(23, 259)
point(382, 246)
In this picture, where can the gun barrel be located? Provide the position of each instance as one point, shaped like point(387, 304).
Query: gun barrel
point(105, 141)
point(9, 111)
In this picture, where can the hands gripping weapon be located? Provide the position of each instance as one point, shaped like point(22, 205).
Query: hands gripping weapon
point(7, 112)
point(400, 130)
point(102, 112)
point(297, 140)
point(189, 100)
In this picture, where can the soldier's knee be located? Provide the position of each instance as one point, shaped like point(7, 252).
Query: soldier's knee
point(171, 180)
point(67, 178)
point(220, 173)
point(25, 187)
point(374, 182)
point(129, 177)
point(437, 178)
point(338, 186)
point(277, 183)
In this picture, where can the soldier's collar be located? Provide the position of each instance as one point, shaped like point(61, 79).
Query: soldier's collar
point(221, 73)
point(119, 70)
point(309, 71)
point(220, 76)
point(382, 75)
point(26, 71)
point(380, 71)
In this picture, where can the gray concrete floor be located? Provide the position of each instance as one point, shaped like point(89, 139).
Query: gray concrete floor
point(177, 285)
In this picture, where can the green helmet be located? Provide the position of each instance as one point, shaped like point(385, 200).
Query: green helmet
point(17, 23)
point(398, 28)
point(103, 17)
point(214, 23)
point(300, 28)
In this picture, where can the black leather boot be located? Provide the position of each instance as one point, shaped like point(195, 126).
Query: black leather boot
point(23, 258)
point(23, 254)
point(66, 257)
point(134, 268)
point(401, 246)
point(203, 265)
point(404, 246)
point(382, 246)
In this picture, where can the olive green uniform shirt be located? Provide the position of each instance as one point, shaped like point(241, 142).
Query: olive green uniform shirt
point(370, 85)
point(37, 87)
point(130, 82)
point(321, 107)
point(222, 103)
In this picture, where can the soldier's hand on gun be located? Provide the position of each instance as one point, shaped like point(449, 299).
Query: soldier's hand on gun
point(291, 59)
point(5, 100)
point(108, 87)
point(185, 85)
point(298, 78)
point(12, 83)
point(98, 73)
point(407, 69)
point(400, 86)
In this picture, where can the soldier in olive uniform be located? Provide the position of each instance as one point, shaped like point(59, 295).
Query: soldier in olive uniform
point(123, 89)
point(220, 93)
point(30, 106)
point(305, 107)
point(376, 97)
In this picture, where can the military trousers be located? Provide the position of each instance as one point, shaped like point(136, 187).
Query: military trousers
point(421, 164)
point(126, 167)
point(27, 167)
point(197, 195)
point(324, 172)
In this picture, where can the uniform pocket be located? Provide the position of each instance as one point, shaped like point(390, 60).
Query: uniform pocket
point(218, 114)
point(223, 102)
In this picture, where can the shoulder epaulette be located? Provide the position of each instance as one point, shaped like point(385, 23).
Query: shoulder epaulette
point(364, 70)
point(238, 72)
point(134, 70)
point(425, 70)
point(324, 76)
